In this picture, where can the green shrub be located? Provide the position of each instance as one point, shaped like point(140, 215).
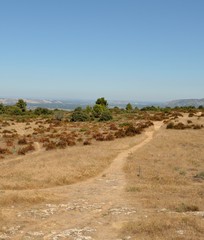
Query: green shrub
point(79, 116)
point(2, 109)
point(129, 107)
point(42, 111)
point(14, 110)
point(98, 110)
point(105, 116)
point(21, 104)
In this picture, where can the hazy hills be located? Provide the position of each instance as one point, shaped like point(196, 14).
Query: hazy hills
point(73, 103)
point(186, 102)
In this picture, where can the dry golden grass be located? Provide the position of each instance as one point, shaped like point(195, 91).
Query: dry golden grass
point(166, 227)
point(28, 197)
point(164, 176)
point(60, 167)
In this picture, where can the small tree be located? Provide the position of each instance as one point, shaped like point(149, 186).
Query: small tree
point(129, 107)
point(98, 110)
point(102, 101)
point(21, 104)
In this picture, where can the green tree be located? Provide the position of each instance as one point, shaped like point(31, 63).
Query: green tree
point(21, 104)
point(98, 110)
point(2, 109)
point(129, 107)
point(102, 101)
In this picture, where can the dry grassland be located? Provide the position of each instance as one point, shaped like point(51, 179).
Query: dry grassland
point(23, 175)
point(165, 178)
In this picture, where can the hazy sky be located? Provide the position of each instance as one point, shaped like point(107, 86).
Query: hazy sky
point(120, 49)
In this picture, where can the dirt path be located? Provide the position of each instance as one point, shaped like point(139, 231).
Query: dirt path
point(94, 209)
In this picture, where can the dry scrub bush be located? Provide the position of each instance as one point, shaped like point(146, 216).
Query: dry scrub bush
point(62, 144)
point(120, 133)
point(50, 146)
point(22, 141)
point(4, 151)
point(113, 127)
point(191, 114)
point(87, 142)
point(109, 137)
point(24, 150)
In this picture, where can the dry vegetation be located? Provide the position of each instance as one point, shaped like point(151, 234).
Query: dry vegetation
point(165, 178)
point(60, 153)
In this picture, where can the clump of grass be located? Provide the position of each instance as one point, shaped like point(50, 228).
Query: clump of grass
point(133, 189)
point(163, 227)
point(200, 175)
point(187, 208)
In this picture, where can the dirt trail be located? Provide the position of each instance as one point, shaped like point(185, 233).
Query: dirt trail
point(94, 209)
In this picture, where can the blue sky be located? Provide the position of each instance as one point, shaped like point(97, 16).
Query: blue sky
point(147, 50)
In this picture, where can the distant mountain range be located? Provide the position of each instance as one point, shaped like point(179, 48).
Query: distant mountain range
point(186, 102)
point(72, 104)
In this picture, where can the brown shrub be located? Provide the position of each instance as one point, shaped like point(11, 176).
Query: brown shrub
point(180, 126)
point(44, 139)
point(62, 144)
point(6, 131)
point(132, 131)
point(109, 137)
point(22, 141)
point(170, 125)
point(99, 137)
point(71, 142)
point(9, 143)
point(87, 142)
point(197, 126)
point(4, 151)
point(191, 114)
point(120, 133)
point(113, 127)
point(24, 150)
point(5, 124)
point(50, 146)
